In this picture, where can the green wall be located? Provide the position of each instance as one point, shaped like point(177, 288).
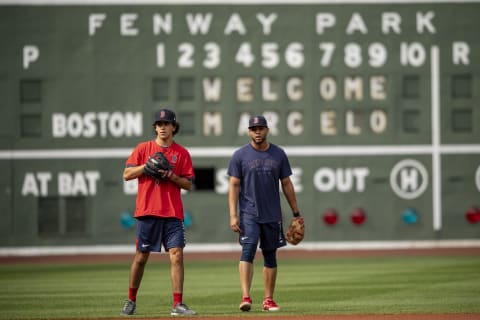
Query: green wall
point(377, 106)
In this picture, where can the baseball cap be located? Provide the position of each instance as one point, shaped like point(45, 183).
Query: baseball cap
point(165, 115)
point(257, 121)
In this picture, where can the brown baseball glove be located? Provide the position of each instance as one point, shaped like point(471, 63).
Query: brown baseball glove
point(296, 231)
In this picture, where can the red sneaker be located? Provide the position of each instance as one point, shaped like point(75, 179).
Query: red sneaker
point(270, 305)
point(246, 304)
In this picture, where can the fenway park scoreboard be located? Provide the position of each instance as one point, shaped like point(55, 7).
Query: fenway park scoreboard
point(377, 105)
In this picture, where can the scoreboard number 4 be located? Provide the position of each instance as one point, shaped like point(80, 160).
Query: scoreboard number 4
point(354, 55)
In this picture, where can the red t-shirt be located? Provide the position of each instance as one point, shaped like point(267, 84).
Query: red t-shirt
point(162, 198)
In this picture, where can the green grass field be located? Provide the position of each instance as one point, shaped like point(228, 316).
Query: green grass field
point(367, 285)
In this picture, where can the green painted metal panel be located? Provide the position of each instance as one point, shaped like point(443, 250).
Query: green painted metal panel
point(376, 104)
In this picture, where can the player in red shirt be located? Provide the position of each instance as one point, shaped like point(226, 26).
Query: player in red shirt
point(159, 209)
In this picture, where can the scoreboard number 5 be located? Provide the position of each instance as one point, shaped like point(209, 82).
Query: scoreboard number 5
point(270, 53)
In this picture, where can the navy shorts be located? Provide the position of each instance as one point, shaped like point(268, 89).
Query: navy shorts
point(269, 234)
point(154, 232)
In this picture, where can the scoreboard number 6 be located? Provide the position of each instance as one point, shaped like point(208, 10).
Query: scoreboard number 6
point(270, 53)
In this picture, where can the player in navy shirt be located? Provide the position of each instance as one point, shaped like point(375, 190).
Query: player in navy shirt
point(256, 172)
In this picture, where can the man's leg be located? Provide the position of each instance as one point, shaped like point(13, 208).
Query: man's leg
point(269, 271)
point(136, 273)
point(245, 267)
point(176, 270)
point(246, 275)
point(177, 276)
point(269, 280)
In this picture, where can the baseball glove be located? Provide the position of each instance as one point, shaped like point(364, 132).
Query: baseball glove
point(158, 167)
point(296, 231)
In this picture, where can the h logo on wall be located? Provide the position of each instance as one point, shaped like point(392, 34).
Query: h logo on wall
point(409, 179)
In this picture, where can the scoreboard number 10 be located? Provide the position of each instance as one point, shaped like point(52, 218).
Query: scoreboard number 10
point(271, 55)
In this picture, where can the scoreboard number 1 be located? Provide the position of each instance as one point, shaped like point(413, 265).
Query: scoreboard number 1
point(354, 55)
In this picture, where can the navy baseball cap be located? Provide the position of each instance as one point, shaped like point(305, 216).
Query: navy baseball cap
point(165, 115)
point(257, 121)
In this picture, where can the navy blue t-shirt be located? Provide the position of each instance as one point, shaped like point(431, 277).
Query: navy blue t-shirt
point(260, 173)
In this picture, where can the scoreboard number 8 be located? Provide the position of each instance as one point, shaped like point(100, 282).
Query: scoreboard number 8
point(411, 54)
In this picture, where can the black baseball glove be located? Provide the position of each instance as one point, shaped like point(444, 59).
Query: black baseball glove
point(158, 167)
